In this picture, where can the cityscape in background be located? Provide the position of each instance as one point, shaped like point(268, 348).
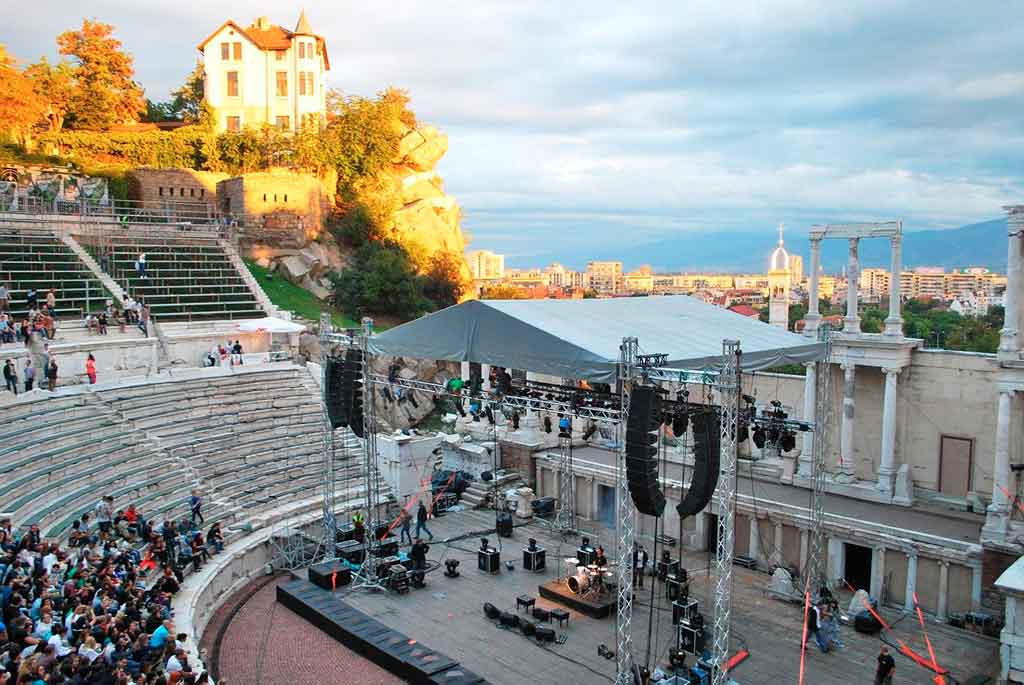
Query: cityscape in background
point(969, 291)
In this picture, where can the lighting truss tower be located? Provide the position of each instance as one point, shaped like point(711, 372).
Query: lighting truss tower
point(371, 475)
point(823, 418)
point(565, 519)
point(330, 522)
point(729, 396)
point(625, 519)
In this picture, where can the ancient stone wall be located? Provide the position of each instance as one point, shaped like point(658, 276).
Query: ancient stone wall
point(157, 187)
point(278, 206)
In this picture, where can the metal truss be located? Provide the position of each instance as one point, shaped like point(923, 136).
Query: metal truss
point(625, 520)
point(817, 570)
point(565, 518)
point(330, 522)
point(729, 396)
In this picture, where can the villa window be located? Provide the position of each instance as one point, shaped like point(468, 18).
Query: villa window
point(191, 192)
point(279, 55)
point(283, 123)
point(286, 197)
point(161, 189)
point(238, 51)
point(232, 84)
point(234, 124)
point(302, 50)
point(225, 51)
point(282, 84)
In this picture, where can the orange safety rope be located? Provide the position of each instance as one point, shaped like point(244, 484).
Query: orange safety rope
point(939, 680)
point(803, 641)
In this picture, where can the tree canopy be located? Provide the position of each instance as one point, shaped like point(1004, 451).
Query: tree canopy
point(19, 109)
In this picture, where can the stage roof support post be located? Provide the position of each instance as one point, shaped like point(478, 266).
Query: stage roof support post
point(625, 520)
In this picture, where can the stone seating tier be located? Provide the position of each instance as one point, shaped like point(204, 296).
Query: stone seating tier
point(39, 260)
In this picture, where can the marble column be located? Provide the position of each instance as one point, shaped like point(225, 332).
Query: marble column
point(595, 501)
point(804, 467)
point(755, 540)
point(804, 545)
point(878, 574)
point(777, 542)
point(999, 509)
point(894, 322)
point(976, 588)
point(812, 318)
point(940, 612)
point(1009, 343)
point(851, 324)
point(846, 466)
point(908, 599)
point(887, 467)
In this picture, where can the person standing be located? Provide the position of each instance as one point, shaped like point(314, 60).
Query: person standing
point(51, 302)
point(421, 521)
point(639, 565)
point(11, 376)
point(51, 375)
point(30, 375)
point(144, 320)
point(886, 667)
point(5, 297)
point(90, 368)
point(406, 526)
point(418, 555)
point(140, 265)
point(195, 505)
point(31, 298)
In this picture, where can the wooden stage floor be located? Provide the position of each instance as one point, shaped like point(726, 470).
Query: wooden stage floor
point(447, 615)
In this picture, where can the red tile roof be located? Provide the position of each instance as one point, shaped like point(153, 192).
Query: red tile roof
point(745, 310)
point(274, 37)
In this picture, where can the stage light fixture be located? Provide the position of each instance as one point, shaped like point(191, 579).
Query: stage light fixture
point(759, 437)
point(451, 568)
point(788, 441)
point(515, 421)
point(547, 424)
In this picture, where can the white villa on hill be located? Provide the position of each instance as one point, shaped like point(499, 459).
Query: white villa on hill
point(265, 74)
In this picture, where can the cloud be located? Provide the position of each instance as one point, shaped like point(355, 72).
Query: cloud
point(585, 125)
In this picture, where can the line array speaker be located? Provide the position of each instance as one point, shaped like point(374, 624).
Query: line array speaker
point(707, 440)
point(642, 426)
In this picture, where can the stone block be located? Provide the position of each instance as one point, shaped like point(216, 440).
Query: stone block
point(425, 156)
point(294, 268)
point(319, 292)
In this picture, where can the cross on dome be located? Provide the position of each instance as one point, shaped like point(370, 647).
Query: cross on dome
point(780, 258)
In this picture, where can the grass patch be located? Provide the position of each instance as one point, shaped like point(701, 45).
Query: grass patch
point(294, 298)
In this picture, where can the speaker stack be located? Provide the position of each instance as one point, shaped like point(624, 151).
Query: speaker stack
point(707, 440)
point(642, 450)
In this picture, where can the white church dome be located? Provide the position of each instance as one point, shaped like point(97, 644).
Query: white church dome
point(780, 258)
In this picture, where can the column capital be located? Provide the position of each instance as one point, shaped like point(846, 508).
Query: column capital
point(815, 240)
point(810, 365)
point(943, 563)
point(891, 370)
point(847, 366)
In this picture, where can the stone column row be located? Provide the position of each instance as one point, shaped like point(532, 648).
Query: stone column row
point(1009, 342)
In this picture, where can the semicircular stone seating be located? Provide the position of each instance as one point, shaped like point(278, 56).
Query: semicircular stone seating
point(250, 441)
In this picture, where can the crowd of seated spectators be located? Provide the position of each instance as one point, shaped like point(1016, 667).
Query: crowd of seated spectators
point(97, 611)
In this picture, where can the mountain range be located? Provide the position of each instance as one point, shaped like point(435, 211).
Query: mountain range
point(980, 244)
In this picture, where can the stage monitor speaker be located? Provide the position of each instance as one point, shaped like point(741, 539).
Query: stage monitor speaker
point(491, 611)
point(707, 440)
point(642, 427)
point(508, 619)
point(544, 634)
point(504, 524)
point(337, 401)
point(527, 627)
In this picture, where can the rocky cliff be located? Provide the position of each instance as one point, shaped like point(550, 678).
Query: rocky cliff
point(426, 220)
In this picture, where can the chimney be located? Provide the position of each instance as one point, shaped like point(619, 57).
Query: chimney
point(263, 23)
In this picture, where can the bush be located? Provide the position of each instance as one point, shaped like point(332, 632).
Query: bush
point(381, 280)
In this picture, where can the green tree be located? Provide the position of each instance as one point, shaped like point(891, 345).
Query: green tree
point(54, 86)
point(381, 279)
point(503, 292)
point(443, 283)
point(105, 92)
point(157, 111)
point(187, 101)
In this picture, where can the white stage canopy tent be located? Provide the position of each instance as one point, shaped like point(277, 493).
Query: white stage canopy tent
point(580, 338)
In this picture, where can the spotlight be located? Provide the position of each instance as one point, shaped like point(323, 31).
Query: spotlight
point(451, 568)
point(532, 542)
point(515, 421)
point(680, 422)
point(510, 566)
point(788, 441)
point(547, 424)
point(484, 544)
point(564, 427)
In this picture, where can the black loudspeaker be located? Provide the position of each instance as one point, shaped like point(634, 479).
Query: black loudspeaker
point(642, 450)
point(707, 440)
point(544, 634)
point(527, 627)
point(352, 385)
point(509, 620)
point(491, 611)
point(330, 575)
point(338, 408)
point(864, 622)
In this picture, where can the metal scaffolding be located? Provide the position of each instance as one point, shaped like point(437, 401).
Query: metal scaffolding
point(330, 522)
point(565, 518)
point(729, 397)
point(625, 519)
point(817, 572)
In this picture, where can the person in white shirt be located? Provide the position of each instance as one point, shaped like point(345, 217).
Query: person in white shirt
point(140, 265)
point(59, 642)
point(176, 662)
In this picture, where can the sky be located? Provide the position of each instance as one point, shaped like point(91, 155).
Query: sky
point(576, 127)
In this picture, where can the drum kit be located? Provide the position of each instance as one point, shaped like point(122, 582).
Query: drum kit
point(590, 579)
